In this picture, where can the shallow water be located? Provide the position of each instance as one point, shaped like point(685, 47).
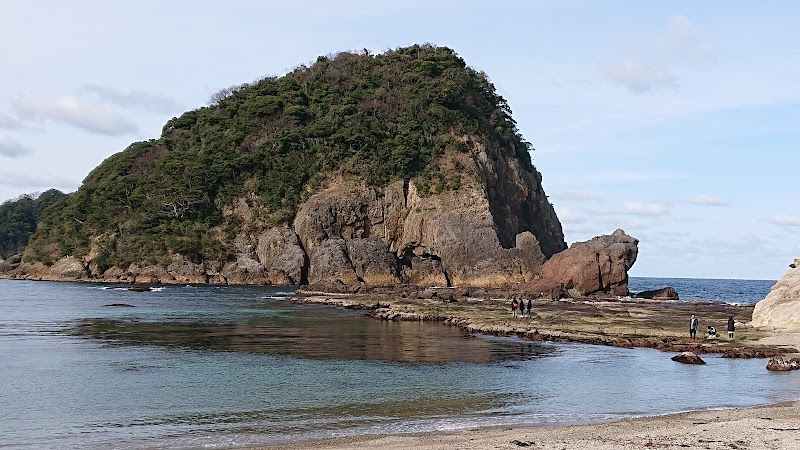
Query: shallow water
point(237, 366)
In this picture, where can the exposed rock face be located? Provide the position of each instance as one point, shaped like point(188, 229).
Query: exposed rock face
point(495, 230)
point(68, 268)
point(372, 261)
point(280, 254)
point(783, 364)
point(330, 264)
point(150, 275)
point(186, 272)
point(688, 358)
point(244, 270)
point(599, 265)
point(667, 293)
point(781, 307)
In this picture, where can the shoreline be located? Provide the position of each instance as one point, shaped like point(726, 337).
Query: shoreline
point(612, 322)
point(775, 426)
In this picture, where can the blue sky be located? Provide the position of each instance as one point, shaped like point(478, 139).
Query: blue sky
point(675, 121)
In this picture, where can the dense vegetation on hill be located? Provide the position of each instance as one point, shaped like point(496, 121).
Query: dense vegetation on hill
point(374, 117)
point(18, 220)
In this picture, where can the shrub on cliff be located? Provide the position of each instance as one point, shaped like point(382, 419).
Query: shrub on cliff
point(377, 118)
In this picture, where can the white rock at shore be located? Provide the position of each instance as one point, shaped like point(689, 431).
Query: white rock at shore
point(781, 308)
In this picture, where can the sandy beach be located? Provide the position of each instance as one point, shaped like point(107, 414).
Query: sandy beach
point(764, 427)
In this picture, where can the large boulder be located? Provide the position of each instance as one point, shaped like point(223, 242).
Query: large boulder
point(599, 265)
point(781, 307)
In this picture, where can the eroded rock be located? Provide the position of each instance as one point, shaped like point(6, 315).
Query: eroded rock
point(781, 307)
point(280, 254)
point(688, 358)
point(599, 265)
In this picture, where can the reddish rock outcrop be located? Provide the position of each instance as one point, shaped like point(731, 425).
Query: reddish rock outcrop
point(688, 358)
point(599, 265)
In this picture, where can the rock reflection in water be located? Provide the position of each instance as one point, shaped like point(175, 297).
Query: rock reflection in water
point(323, 336)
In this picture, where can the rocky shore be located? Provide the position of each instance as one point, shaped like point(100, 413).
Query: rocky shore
point(765, 427)
point(619, 322)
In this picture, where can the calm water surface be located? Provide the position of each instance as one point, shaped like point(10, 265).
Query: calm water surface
point(237, 366)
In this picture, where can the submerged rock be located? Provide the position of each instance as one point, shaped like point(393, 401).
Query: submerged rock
point(688, 358)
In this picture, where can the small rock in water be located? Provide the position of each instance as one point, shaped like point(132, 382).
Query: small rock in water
point(688, 358)
point(783, 364)
point(667, 293)
point(120, 305)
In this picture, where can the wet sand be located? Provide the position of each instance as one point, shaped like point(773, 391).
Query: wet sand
point(765, 427)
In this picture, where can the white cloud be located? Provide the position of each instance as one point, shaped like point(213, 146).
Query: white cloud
point(652, 61)
point(684, 40)
point(642, 209)
point(9, 122)
point(612, 177)
point(11, 148)
point(92, 117)
point(39, 181)
point(707, 200)
point(638, 77)
point(786, 221)
point(138, 98)
point(568, 216)
point(574, 196)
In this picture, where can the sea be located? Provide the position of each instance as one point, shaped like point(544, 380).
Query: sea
point(231, 367)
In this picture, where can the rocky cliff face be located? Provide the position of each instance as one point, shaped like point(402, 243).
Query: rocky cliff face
point(781, 307)
point(350, 234)
point(496, 229)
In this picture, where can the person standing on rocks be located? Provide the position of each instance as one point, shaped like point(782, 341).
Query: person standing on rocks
point(731, 327)
point(693, 322)
point(530, 305)
point(513, 307)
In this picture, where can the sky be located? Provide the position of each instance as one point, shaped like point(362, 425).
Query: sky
point(675, 121)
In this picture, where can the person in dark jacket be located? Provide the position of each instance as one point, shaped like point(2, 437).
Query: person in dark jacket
point(693, 322)
point(731, 327)
point(530, 305)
